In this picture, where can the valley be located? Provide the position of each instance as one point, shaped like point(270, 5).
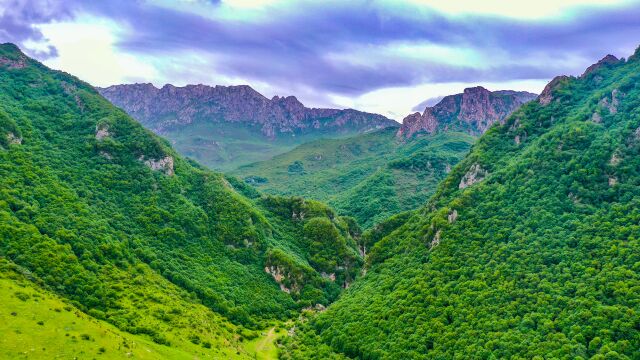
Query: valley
point(451, 180)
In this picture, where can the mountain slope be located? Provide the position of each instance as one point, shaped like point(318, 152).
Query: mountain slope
point(529, 248)
point(369, 177)
point(373, 176)
point(108, 216)
point(473, 112)
point(227, 126)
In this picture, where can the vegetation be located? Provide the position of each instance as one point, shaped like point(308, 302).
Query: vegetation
point(369, 177)
point(225, 146)
point(37, 324)
point(536, 257)
point(110, 219)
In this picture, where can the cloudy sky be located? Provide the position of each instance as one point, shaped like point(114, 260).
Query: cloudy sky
point(379, 56)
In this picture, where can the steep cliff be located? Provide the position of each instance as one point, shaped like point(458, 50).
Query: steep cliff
point(171, 106)
point(473, 111)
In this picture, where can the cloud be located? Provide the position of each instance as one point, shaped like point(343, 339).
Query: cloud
point(336, 51)
point(428, 102)
point(18, 17)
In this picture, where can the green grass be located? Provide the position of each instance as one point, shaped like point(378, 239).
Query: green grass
point(265, 346)
point(369, 177)
point(37, 324)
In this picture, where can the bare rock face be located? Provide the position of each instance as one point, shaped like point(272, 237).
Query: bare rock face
point(546, 96)
point(329, 276)
point(171, 106)
point(102, 132)
point(596, 117)
point(14, 139)
point(612, 105)
point(280, 276)
point(473, 111)
point(16, 61)
point(436, 240)
point(453, 216)
point(615, 159)
point(165, 164)
point(475, 174)
point(416, 122)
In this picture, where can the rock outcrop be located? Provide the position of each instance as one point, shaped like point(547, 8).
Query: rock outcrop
point(171, 106)
point(102, 132)
point(15, 59)
point(165, 164)
point(14, 139)
point(546, 96)
point(605, 61)
point(475, 174)
point(473, 111)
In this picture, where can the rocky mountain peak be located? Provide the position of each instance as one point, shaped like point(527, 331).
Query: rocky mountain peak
point(607, 60)
point(472, 111)
point(171, 106)
point(546, 96)
point(12, 57)
point(476, 90)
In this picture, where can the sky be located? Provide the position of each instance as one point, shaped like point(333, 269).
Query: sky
point(387, 57)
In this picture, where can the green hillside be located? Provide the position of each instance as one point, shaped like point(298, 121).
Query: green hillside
point(37, 324)
point(529, 249)
point(225, 146)
point(369, 177)
point(109, 218)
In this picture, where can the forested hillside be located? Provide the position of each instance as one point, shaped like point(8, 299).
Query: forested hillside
point(106, 216)
point(529, 249)
point(369, 177)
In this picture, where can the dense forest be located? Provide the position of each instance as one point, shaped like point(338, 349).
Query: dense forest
point(529, 248)
point(103, 215)
point(369, 177)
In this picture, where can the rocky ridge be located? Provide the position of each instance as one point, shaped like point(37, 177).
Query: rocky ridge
point(171, 106)
point(473, 111)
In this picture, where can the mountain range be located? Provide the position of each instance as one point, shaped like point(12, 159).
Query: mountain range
point(376, 175)
point(228, 126)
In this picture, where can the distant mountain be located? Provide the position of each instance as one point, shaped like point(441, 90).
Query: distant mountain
point(473, 111)
point(227, 126)
point(375, 175)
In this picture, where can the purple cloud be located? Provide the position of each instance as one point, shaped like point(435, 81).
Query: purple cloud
point(291, 45)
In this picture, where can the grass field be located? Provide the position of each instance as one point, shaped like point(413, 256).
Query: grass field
point(37, 324)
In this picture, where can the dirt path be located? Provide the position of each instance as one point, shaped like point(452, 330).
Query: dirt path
point(267, 342)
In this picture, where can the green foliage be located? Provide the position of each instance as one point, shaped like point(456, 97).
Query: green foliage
point(296, 167)
point(368, 177)
point(538, 258)
point(225, 146)
point(110, 218)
